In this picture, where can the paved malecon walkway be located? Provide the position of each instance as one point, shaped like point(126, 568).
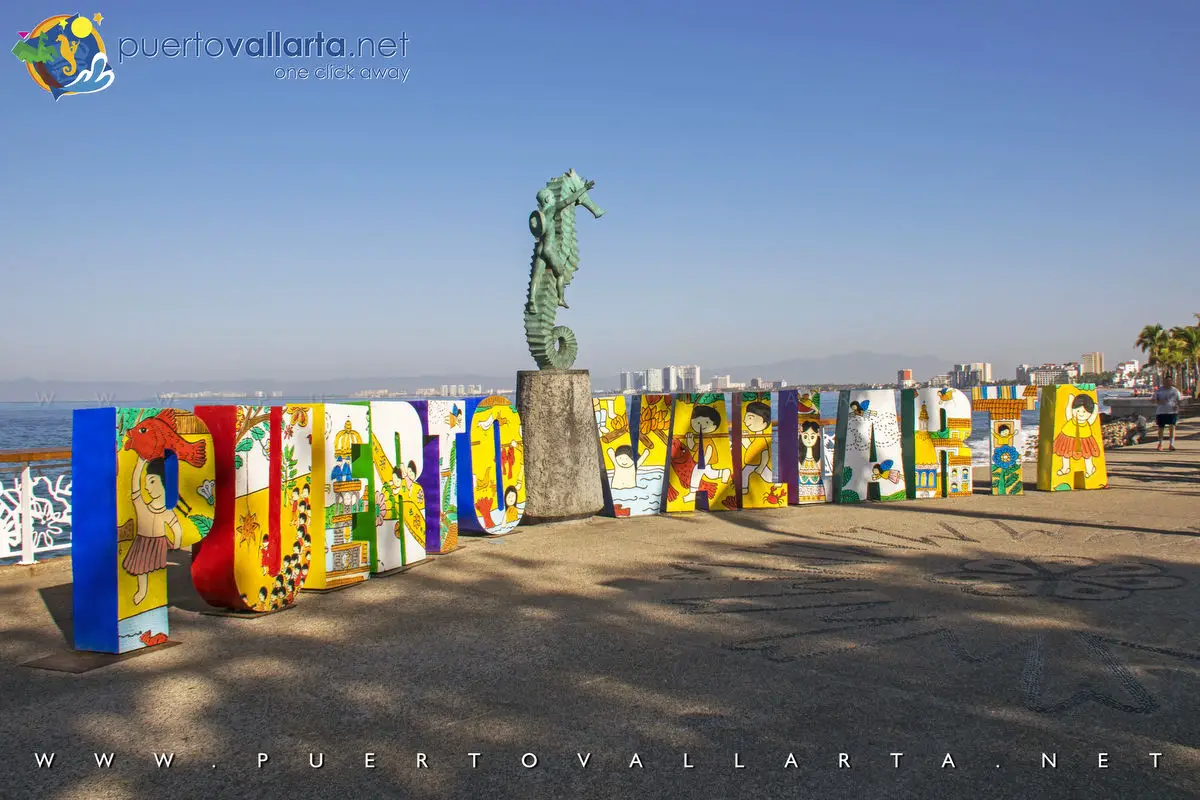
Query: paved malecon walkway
point(985, 639)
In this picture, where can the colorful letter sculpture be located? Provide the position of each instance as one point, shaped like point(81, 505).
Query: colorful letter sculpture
point(1006, 439)
point(1070, 443)
point(492, 483)
point(255, 557)
point(635, 466)
point(756, 453)
point(344, 529)
point(701, 470)
point(805, 465)
point(869, 461)
point(143, 482)
point(936, 424)
point(447, 419)
point(403, 481)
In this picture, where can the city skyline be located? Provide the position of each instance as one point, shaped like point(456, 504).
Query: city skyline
point(235, 222)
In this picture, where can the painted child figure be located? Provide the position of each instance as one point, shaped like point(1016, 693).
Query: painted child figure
point(512, 513)
point(153, 522)
point(412, 510)
point(1077, 440)
point(624, 467)
point(811, 488)
point(705, 420)
point(756, 444)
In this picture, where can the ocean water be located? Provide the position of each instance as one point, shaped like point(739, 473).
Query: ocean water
point(646, 497)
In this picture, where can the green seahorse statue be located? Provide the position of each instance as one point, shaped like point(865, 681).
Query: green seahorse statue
point(555, 259)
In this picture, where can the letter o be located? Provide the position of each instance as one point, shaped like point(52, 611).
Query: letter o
point(525, 761)
point(220, 47)
point(280, 73)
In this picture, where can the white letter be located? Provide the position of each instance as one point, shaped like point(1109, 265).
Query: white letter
point(636, 760)
point(1156, 755)
point(473, 757)
point(319, 764)
point(526, 757)
point(48, 761)
point(843, 760)
point(1102, 760)
point(262, 759)
point(686, 765)
point(1052, 758)
point(583, 761)
point(791, 762)
point(896, 759)
point(163, 758)
point(369, 760)
point(737, 764)
point(103, 761)
point(948, 760)
point(421, 761)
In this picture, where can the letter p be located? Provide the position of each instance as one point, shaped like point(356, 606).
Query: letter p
point(122, 54)
point(262, 759)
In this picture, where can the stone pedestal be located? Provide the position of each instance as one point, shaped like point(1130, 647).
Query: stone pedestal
point(562, 450)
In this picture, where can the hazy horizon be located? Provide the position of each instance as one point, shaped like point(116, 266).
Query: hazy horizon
point(1003, 183)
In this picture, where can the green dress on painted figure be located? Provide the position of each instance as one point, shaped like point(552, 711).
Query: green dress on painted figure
point(555, 259)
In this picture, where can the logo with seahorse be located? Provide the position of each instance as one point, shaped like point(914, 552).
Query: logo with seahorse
point(555, 260)
point(65, 55)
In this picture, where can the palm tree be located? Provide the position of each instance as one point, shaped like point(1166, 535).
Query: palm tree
point(1187, 341)
point(1152, 341)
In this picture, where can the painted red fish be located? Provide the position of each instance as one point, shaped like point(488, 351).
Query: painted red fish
point(682, 462)
point(620, 510)
point(152, 438)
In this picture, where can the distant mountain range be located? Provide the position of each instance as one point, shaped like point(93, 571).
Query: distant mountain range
point(859, 367)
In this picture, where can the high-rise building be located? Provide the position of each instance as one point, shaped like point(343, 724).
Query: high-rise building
point(690, 378)
point(1048, 374)
point(977, 373)
point(627, 384)
point(1023, 372)
point(670, 379)
point(904, 378)
point(1093, 363)
point(721, 381)
point(652, 380)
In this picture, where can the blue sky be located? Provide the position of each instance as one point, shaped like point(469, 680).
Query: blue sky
point(1003, 181)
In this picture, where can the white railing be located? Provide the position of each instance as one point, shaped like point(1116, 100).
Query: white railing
point(35, 508)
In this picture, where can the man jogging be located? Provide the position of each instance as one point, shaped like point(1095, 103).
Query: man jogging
point(1167, 413)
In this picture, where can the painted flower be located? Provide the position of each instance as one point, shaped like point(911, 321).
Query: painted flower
point(1066, 578)
point(1006, 457)
point(207, 491)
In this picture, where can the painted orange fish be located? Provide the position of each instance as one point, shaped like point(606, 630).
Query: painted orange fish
point(152, 438)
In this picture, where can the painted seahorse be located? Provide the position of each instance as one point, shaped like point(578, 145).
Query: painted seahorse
point(67, 48)
point(555, 259)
